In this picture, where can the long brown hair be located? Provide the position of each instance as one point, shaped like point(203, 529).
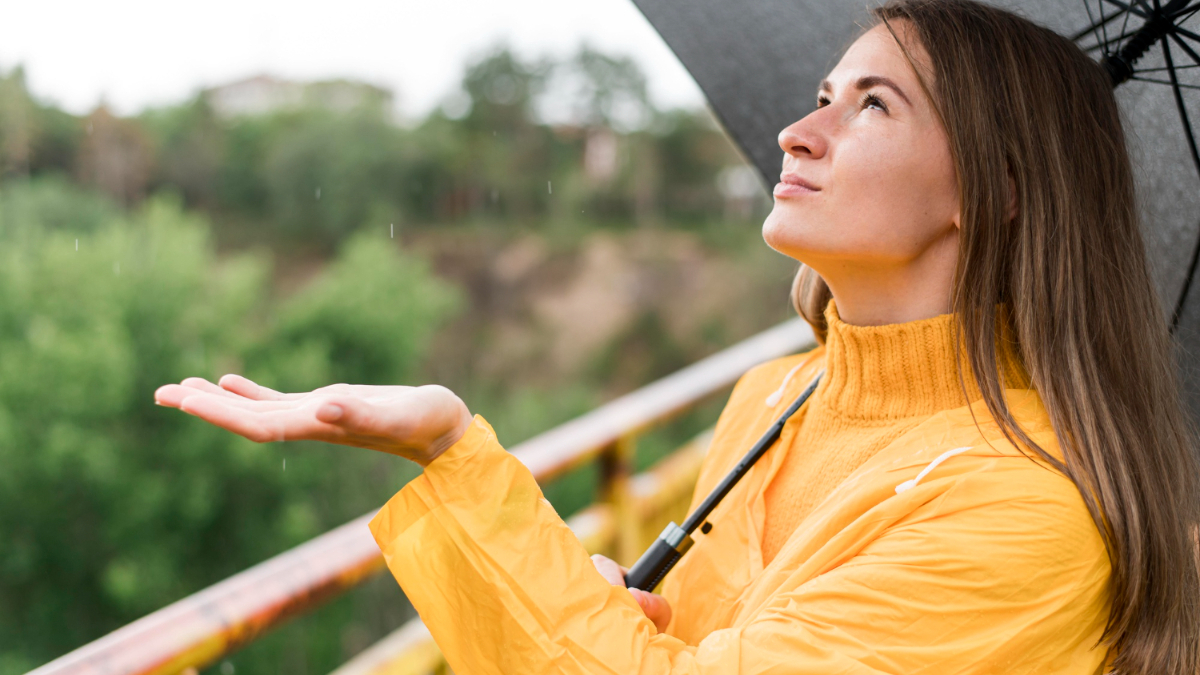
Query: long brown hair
point(1069, 279)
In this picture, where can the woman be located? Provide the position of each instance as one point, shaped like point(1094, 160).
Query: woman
point(994, 474)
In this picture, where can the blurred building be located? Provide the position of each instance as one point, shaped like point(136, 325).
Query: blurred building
point(266, 94)
point(600, 155)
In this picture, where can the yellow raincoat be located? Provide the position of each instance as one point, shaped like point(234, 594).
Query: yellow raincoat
point(947, 551)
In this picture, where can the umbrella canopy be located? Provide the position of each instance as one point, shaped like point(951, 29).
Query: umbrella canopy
point(759, 63)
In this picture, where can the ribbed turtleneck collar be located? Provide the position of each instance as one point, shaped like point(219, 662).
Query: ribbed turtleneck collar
point(900, 370)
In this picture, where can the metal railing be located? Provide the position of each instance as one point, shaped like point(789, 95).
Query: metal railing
point(201, 628)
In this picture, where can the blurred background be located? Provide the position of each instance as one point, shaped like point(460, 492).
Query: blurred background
point(525, 201)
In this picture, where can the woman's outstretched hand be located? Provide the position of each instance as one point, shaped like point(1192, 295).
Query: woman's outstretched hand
point(653, 605)
point(416, 423)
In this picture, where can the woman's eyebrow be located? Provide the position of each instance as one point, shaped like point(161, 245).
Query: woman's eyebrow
point(868, 81)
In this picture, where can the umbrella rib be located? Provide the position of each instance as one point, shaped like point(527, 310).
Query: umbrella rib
point(1103, 24)
point(1179, 16)
point(1125, 23)
point(1122, 36)
point(1103, 20)
point(1178, 30)
point(1155, 70)
point(1166, 82)
point(1190, 52)
point(1187, 131)
point(1126, 7)
point(1094, 24)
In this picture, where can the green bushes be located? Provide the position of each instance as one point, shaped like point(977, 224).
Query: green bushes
point(111, 508)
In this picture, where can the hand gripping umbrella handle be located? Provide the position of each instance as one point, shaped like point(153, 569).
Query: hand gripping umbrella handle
point(659, 558)
point(675, 540)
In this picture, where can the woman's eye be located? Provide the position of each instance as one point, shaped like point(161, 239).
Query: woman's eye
point(822, 100)
point(872, 99)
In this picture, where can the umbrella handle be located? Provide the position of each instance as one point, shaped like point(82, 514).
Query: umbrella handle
point(659, 558)
point(676, 540)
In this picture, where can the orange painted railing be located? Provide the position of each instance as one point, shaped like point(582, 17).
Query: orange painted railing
point(200, 629)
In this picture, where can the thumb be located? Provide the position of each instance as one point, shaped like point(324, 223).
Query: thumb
point(654, 606)
point(349, 413)
point(331, 412)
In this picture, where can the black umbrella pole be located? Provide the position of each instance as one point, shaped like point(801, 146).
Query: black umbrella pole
point(675, 540)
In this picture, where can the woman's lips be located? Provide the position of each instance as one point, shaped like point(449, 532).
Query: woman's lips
point(792, 190)
point(792, 185)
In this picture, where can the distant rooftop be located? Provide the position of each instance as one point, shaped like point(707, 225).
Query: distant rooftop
point(263, 94)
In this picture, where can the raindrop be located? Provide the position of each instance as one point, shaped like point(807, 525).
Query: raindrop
point(285, 464)
point(226, 668)
point(549, 190)
point(76, 244)
point(495, 195)
point(116, 268)
point(318, 193)
point(493, 134)
point(393, 230)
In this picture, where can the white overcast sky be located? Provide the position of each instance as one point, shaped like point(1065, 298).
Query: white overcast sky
point(136, 53)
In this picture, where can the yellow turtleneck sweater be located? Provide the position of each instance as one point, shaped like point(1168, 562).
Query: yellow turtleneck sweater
point(880, 382)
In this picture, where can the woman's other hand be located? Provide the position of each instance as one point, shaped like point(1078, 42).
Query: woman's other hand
point(654, 606)
point(417, 423)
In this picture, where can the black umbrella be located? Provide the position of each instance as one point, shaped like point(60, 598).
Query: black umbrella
point(759, 63)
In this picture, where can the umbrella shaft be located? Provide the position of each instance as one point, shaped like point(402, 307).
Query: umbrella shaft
point(676, 540)
point(1120, 64)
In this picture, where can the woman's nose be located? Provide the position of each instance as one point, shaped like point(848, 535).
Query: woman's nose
point(801, 139)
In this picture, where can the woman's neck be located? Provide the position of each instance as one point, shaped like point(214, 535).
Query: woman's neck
point(870, 309)
point(874, 293)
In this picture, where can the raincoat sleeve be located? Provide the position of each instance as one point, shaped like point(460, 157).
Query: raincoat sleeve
point(505, 587)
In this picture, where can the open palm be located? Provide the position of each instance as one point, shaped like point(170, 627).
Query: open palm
point(417, 423)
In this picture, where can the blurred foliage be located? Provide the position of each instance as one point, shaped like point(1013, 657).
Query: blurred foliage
point(139, 250)
point(316, 173)
point(110, 507)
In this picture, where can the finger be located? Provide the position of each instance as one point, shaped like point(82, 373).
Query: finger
point(243, 386)
point(205, 386)
point(174, 394)
point(655, 607)
point(259, 426)
point(608, 569)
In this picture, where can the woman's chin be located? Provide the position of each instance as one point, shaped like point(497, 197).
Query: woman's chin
point(783, 235)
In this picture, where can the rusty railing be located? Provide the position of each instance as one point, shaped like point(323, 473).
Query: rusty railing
point(202, 628)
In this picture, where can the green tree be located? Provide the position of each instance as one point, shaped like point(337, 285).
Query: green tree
point(34, 138)
point(110, 507)
point(502, 90)
point(363, 321)
point(190, 144)
point(327, 173)
point(604, 90)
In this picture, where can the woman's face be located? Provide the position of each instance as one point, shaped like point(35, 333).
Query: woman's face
point(885, 192)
